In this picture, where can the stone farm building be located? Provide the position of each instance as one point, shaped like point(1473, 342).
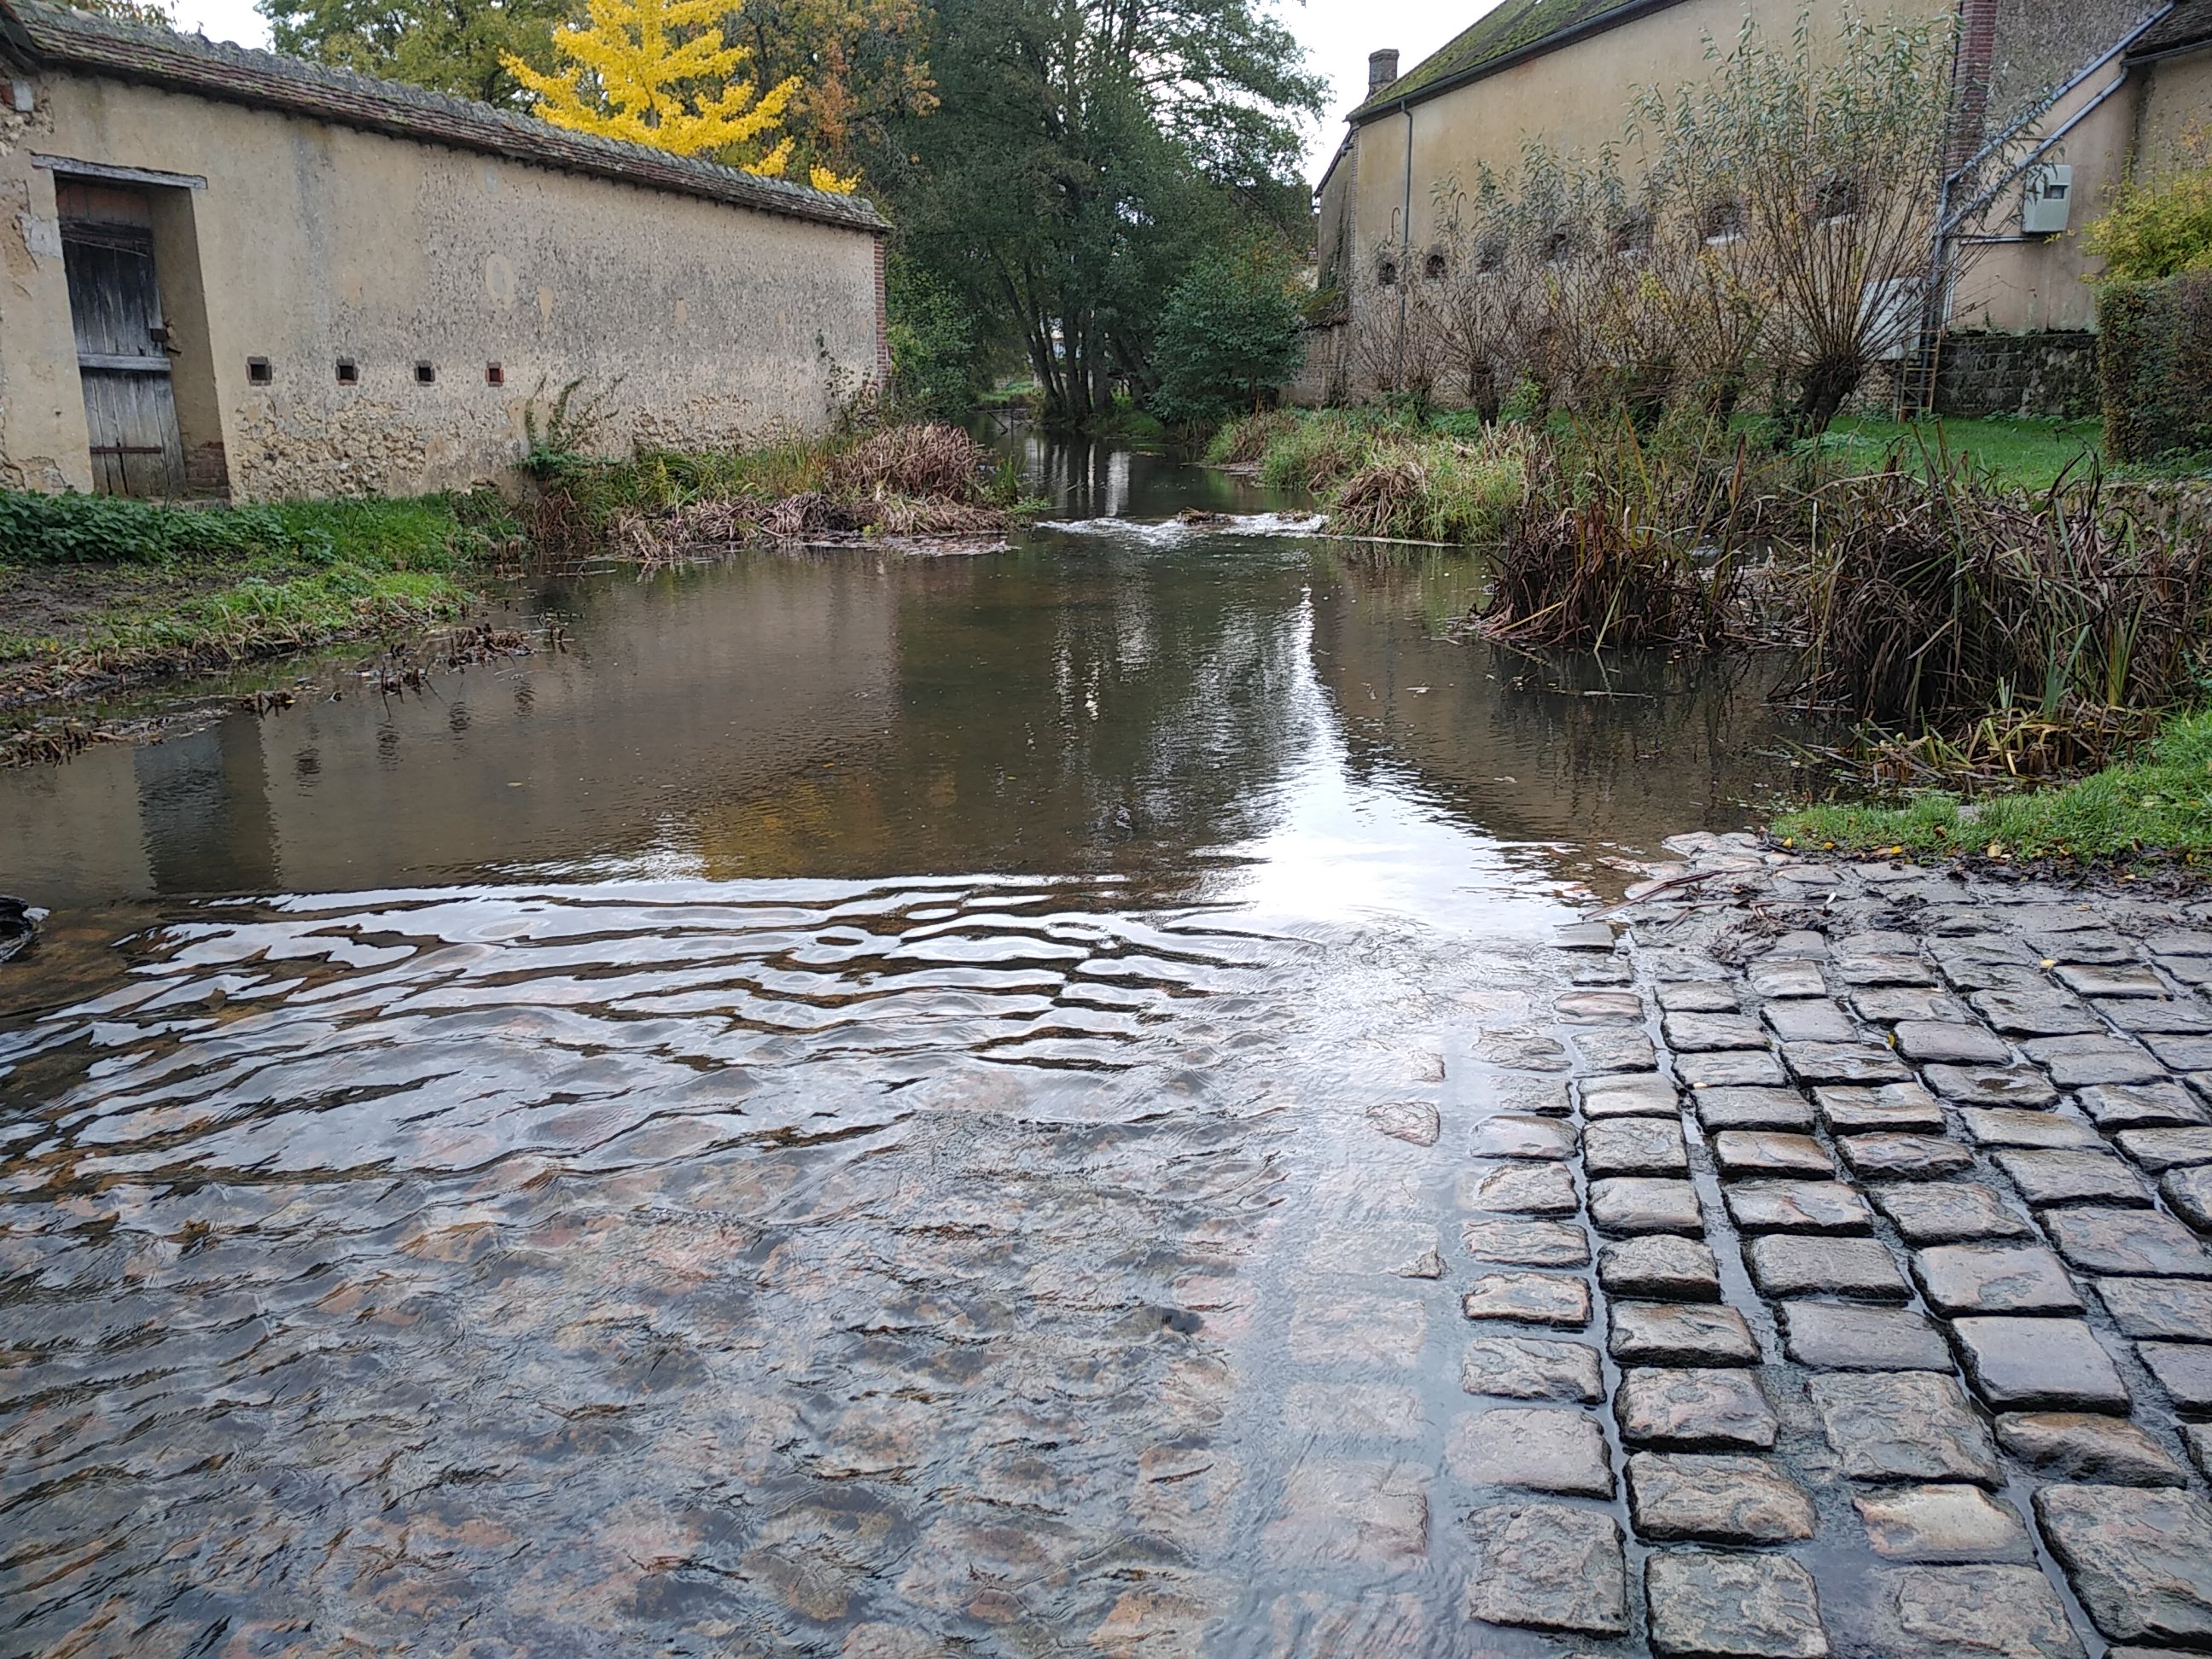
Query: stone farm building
point(231, 273)
point(2086, 85)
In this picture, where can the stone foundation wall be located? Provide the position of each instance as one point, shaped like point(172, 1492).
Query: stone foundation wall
point(2049, 371)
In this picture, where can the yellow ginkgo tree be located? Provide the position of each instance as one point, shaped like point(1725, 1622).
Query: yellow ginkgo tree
point(656, 72)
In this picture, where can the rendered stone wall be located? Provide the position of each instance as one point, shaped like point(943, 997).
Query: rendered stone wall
point(696, 321)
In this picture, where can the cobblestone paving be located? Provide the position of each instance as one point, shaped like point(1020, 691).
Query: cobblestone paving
point(1856, 1298)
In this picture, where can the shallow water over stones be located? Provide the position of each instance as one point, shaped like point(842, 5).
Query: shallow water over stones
point(869, 1105)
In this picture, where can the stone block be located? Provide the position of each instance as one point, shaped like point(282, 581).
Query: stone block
point(1547, 1566)
point(2179, 943)
point(2141, 1106)
point(2173, 1309)
point(1700, 997)
point(1998, 1612)
point(2140, 1560)
point(1903, 1425)
point(1798, 1265)
point(1520, 1189)
point(1808, 1019)
point(1807, 1206)
point(1524, 1053)
point(1531, 1368)
point(2147, 1015)
point(1583, 936)
point(1634, 1145)
point(1730, 1068)
point(1694, 1408)
point(1533, 1448)
point(1659, 1266)
point(1753, 1108)
point(1341, 1513)
point(2190, 1191)
point(2184, 1369)
point(1528, 1299)
point(1943, 1212)
point(1893, 1004)
point(1994, 1279)
point(2034, 1013)
point(1680, 1334)
point(1527, 1244)
point(1706, 1603)
point(1904, 1158)
point(1611, 1049)
point(2115, 981)
point(1538, 1137)
point(1902, 1107)
point(1645, 1204)
point(1758, 1152)
point(1843, 1062)
point(1993, 1086)
point(1599, 1007)
point(2140, 1243)
point(2099, 1060)
point(1628, 1096)
point(1856, 970)
point(1836, 1336)
point(2181, 1053)
point(2003, 1126)
point(1947, 1522)
point(2160, 1150)
point(2049, 1179)
point(1716, 1498)
point(1703, 1033)
point(2039, 1365)
point(2088, 1447)
point(1926, 1041)
point(1772, 978)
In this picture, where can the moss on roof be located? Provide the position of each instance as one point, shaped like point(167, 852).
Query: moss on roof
point(1513, 26)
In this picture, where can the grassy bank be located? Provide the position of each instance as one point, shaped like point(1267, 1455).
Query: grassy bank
point(99, 591)
point(2156, 802)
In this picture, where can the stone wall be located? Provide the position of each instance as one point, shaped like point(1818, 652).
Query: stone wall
point(310, 243)
point(2049, 371)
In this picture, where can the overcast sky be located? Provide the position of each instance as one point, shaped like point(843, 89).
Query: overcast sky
point(1338, 36)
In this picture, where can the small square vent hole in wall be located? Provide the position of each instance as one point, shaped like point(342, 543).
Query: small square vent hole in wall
point(258, 372)
point(494, 374)
point(425, 372)
point(349, 372)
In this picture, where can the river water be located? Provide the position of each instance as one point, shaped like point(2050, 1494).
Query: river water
point(868, 1105)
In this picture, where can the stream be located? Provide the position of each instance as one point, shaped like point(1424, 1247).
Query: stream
point(873, 1105)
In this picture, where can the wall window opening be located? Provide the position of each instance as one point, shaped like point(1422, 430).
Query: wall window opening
point(349, 372)
point(258, 372)
point(494, 374)
point(425, 372)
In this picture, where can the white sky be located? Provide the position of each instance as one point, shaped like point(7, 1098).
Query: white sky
point(1338, 36)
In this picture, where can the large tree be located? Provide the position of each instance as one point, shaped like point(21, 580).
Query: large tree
point(1085, 153)
point(449, 46)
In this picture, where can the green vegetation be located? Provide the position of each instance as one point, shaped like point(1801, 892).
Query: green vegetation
point(2154, 370)
point(104, 589)
point(2160, 223)
point(2022, 453)
point(1387, 472)
point(2159, 802)
point(1230, 335)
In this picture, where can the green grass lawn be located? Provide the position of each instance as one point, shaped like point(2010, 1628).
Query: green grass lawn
point(2029, 454)
point(2159, 802)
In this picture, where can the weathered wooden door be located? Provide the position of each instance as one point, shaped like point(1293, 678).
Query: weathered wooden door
point(122, 355)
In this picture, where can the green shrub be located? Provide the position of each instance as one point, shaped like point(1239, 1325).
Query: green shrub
point(2158, 226)
point(1231, 333)
point(2154, 367)
point(932, 336)
point(418, 534)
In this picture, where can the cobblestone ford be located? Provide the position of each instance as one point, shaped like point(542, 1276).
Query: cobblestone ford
point(1855, 1299)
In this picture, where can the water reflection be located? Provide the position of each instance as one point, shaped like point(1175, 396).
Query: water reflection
point(617, 1176)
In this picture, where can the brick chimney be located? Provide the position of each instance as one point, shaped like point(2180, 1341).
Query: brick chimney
point(1381, 69)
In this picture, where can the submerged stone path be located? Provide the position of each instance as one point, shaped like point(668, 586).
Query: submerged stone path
point(1845, 1288)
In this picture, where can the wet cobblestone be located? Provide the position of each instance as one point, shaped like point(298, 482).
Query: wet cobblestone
point(1901, 1249)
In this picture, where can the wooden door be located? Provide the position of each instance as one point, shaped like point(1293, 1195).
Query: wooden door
point(122, 344)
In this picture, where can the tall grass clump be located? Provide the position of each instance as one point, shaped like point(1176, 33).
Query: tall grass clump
point(1627, 543)
point(1437, 490)
point(1932, 597)
point(1245, 441)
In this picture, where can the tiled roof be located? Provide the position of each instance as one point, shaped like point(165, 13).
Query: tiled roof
point(1514, 31)
point(2188, 25)
point(263, 79)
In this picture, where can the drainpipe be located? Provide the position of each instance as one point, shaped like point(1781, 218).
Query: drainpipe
point(1405, 252)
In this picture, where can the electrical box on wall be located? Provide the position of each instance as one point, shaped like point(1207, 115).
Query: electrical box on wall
point(2046, 199)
